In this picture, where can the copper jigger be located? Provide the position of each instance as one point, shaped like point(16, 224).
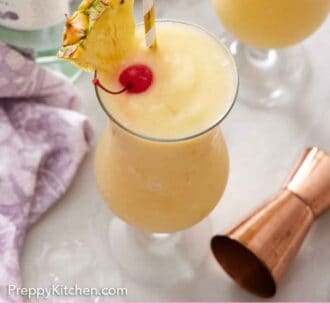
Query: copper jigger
point(258, 251)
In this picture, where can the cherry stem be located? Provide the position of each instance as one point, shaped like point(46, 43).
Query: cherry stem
point(97, 83)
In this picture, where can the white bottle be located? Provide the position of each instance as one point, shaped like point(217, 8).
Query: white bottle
point(36, 25)
point(29, 15)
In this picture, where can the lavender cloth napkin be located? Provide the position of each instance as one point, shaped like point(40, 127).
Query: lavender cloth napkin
point(42, 142)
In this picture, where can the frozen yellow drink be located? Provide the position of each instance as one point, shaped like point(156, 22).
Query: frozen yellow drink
point(162, 163)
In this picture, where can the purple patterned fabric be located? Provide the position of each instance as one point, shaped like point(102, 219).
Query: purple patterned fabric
point(42, 142)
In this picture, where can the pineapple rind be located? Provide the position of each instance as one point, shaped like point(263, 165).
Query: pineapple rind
point(85, 4)
point(96, 10)
point(109, 32)
point(76, 28)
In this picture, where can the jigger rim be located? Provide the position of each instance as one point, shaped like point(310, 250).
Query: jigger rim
point(235, 257)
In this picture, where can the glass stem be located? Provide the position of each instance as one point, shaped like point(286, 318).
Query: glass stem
point(154, 240)
point(262, 58)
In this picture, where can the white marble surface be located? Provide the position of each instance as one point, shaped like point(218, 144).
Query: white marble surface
point(70, 244)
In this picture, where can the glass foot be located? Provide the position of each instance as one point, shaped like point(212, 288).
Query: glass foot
point(269, 78)
point(159, 260)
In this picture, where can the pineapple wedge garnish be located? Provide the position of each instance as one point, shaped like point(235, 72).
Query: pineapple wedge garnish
point(98, 34)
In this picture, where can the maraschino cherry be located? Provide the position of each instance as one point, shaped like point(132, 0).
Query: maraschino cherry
point(135, 79)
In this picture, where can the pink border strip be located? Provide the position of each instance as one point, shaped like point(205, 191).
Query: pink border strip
point(165, 316)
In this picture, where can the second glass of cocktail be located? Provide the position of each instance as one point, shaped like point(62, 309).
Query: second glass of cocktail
point(272, 68)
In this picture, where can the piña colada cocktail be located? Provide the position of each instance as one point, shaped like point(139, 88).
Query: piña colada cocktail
point(162, 163)
point(158, 182)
